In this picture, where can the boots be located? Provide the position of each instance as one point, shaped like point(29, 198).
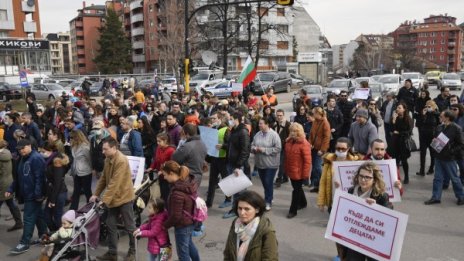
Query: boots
point(421, 172)
point(17, 226)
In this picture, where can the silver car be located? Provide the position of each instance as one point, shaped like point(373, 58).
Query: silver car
point(48, 91)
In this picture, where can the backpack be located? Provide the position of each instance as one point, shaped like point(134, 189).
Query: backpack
point(200, 211)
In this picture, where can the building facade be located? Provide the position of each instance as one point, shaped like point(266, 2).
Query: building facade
point(84, 36)
point(60, 53)
point(438, 40)
point(21, 46)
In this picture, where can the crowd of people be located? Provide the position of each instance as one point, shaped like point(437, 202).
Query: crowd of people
point(90, 138)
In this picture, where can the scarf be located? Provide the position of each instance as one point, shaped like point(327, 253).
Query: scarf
point(245, 233)
point(357, 192)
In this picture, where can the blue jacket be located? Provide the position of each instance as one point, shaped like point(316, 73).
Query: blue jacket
point(135, 143)
point(30, 182)
point(32, 130)
point(9, 130)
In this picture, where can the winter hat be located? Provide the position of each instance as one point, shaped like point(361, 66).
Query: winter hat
point(362, 113)
point(69, 216)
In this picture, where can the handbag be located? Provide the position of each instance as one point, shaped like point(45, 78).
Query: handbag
point(411, 144)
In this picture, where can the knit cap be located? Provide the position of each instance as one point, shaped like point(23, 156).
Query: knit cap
point(69, 216)
point(362, 113)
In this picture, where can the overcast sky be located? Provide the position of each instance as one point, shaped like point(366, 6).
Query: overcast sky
point(340, 20)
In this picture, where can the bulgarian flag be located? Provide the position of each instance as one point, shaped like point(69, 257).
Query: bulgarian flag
point(248, 73)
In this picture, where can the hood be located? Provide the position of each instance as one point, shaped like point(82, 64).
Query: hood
point(62, 160)
point(196, 137)
point(5, 155)
point(187, 186)
point(331, 157)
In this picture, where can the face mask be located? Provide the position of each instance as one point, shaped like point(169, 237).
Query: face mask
point(91, 112)
point(251, 113)
point(46, 155)
point(7, 123)
point(215, 124)
point(341, 154)
point(149, 109)
point(429, 110)
point(231, 123)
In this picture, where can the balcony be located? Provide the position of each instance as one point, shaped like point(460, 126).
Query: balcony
point(79, 24)
point(81, 61)
point(135, 5)
point(79, 33)
point(138, 45)
point(451, 51)
point(80, 51)
point(30, 27)
point(451, 44)
point(138, 58)
point(80, 42)
point(26, 8)
point(137, 31)
point(137, 18)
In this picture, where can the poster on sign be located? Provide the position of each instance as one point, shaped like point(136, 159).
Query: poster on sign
point(237, 87)
point(360, 94)
point(209, 136)
point(372, 230)
point(344, 171)
point(137, 167)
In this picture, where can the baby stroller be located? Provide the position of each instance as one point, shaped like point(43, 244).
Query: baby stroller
point(86, 230)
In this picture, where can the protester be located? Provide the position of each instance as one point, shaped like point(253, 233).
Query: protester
point(362, 132)
point(335, 118)
point(297, 166)
point(180, 202)
point(266, 146)
point(402, 131)
point(251, 235)
point(427, 121)
point(283, 129)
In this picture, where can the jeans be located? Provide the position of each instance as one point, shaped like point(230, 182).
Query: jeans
point(267, 179)
point(298, 196)
point(317, 168)
point(186, 250)
point(152, 257)
point(217, 167)
point(281, 174)
point(446, 168)
point(81, 184)
point(14, 210)
point(33, 216)
point(53, 215)
point(126, 212)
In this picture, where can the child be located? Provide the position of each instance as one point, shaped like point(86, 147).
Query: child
point(158, 237)
point(64, 232)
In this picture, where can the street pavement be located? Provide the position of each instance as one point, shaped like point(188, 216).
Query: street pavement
point(434, 233)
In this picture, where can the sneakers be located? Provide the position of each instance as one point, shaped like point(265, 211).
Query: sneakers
point(268, 206)
point(16, 226)
point(19, 249)
point(108, 257)
point(225, 204)
point(130, 255)
point(229, 214)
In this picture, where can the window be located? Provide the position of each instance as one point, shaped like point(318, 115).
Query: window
point(432, 50)
point(152, 23)
point(263, 11)
point(443, 34)
point(442, 57)
point(442, 41)
point(280, 11)
point(282, 45)
point(442, 49)
point(282, 28)
point(150, 8)
point(432, 42)
point(3, 15)
point(432, 58)
point(264, 44)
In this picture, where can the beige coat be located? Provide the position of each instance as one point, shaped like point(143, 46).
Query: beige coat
point(6, 176)
point(116, 180)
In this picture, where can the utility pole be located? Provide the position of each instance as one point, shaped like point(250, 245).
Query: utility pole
point(187, 51)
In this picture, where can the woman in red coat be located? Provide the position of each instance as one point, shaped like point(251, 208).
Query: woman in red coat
point(297, 166)
point(163, 153)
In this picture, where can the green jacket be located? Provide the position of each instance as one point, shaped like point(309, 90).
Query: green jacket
point(263, 246)
point(6, 176)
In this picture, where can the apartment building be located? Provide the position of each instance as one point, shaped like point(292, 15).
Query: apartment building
point(437, 39)
point(60, 53)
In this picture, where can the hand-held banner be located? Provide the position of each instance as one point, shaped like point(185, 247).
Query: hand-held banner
point(372, 230)
point(137, 167)
point(344, 171)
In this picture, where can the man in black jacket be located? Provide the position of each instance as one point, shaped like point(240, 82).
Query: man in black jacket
point(408, 94)
point(388, 107)
point(346, 107)
point(283, 129)
point(238, 148)
point(445, 155)
point(335, 118)
point(442, 100)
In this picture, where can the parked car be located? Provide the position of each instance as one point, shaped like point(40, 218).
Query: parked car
point(451, 80)
point(391, 82)
point(338, 85)
point(461, 74)
point(415, 77)
point(376, 77)
point(433, 77)
point(280, 81)
point(96, 89)
point(204, 78)
point(221, 90)
point(10, 92)
point(146, 85)
point(171, 84)
point(48, 91)
point(299, 80)
point(359, 80)
point(377, 93)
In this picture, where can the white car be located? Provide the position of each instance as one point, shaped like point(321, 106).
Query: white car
point(48, 91)
point(451, 80)
point(391, 82)
point(205, 79)
point(171, 84)
point(415, 77)
point(222, 89)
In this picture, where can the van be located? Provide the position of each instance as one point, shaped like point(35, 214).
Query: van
point(205, 79)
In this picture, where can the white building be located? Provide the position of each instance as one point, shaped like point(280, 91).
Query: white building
point(349, 52)
point(60, 53)
point(306, 31)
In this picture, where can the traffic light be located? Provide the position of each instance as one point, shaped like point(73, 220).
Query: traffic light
point(285, 2)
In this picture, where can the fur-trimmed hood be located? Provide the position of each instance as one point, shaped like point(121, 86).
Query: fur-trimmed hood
point(61, 160)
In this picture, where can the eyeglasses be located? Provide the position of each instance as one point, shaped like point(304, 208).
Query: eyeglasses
point(341, 149)
point(367, 178)
point(428, 106)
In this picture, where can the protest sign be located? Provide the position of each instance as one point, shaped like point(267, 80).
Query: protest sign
point(233, 184)
point(209, 136)
point(360, 94)
point(372, 230)
point(344, 171)
point(137, 167)
point(237, 87)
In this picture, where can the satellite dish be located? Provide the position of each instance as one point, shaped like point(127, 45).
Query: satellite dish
point(208, 57)
point(30, 3)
